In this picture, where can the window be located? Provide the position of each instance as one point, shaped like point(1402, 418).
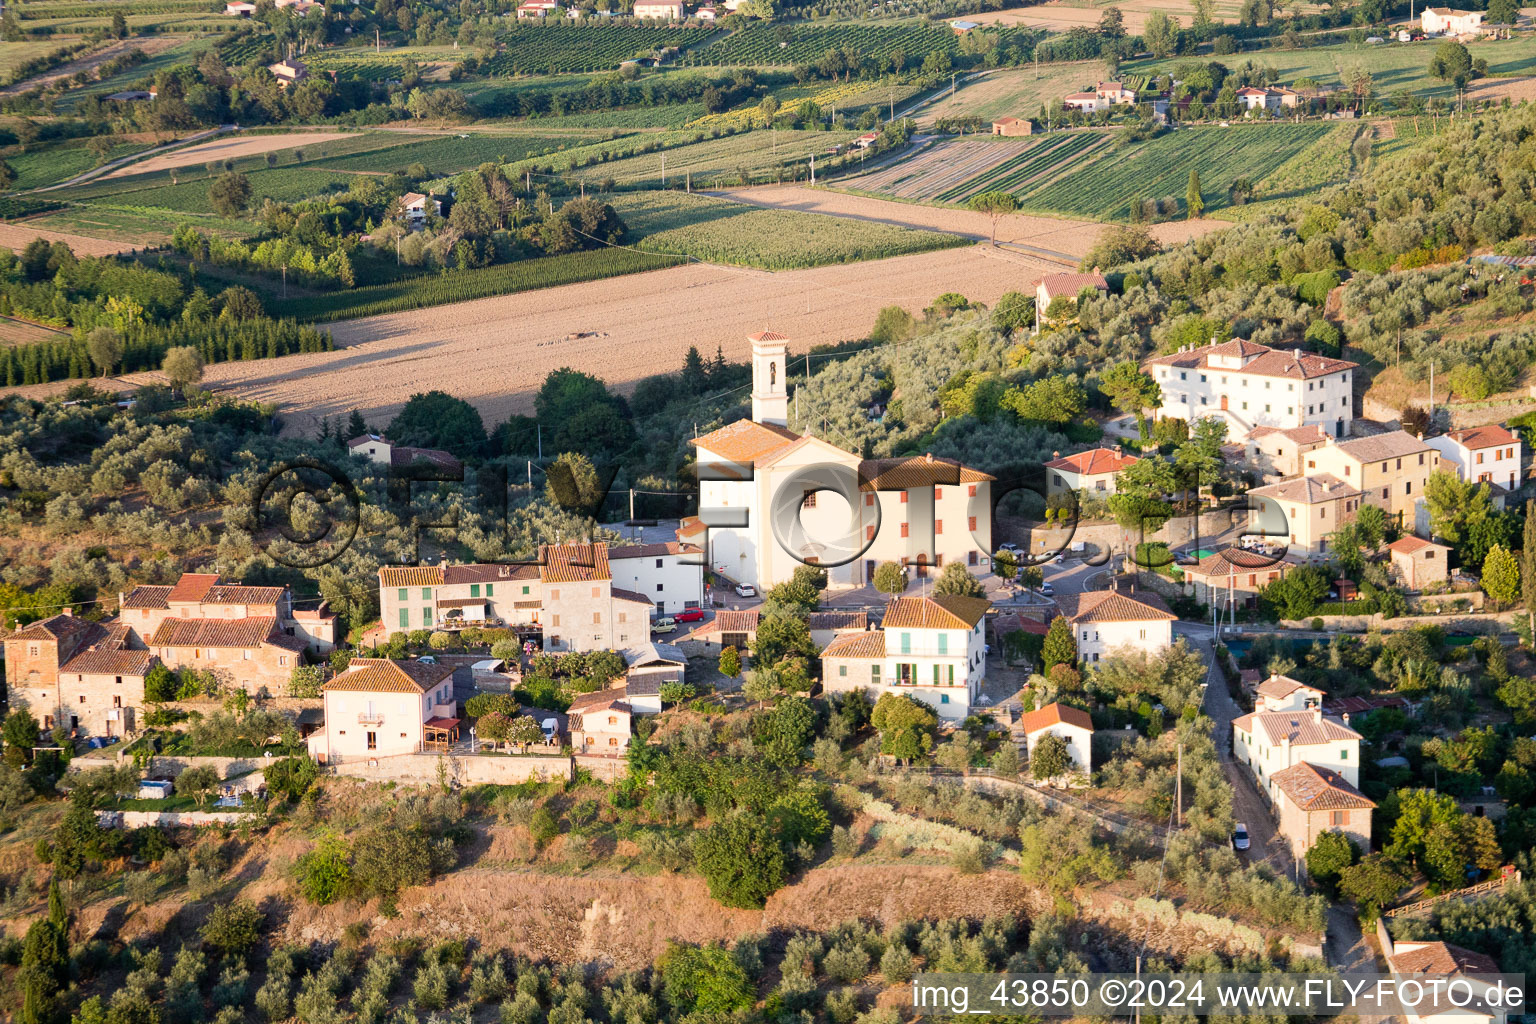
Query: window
point(82, 698)
point(903, 497)
point(474, 590)
point(555, 620)
point(597, 618)
point(1202, 378)
point(809, 501)
point(613, 741)
point(597, 591)
point(943, 643)
point(869, 533)
point(936, 680)
point(426, 593)
point(938, 492)
point(1336, 818)
point(903, 529)
point(869, 500)
point(373, 741)
point(490, 590)
point(1344, 754)
point(1479, 458)
point(970, 492)
point(32, 650)
point(117, 699)
point(874, 674)
point(938, 526)
point(401, 594)
point(554, 595)
point(658, 563)
point(943, 698)
point(906, 643)
point(971, 558)
point(1383, 492)
point(842, 670)
point(405, 618)
point(426, 617)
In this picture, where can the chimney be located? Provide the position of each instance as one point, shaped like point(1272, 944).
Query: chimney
point(1055, 455)
point(1117, 449)
point(66, 610)
point(1346, 718)
point(928, 456)
point(1317, 714)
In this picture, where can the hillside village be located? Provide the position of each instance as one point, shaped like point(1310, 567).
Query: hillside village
point(665, 512)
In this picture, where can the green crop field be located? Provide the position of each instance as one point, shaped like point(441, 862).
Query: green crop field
point(673, 115)
point(367, 66)
point(762, 44)
point(1035, 166)
point(33, 11)
point(1393, 66)
point(14, 54)
point(536, 49)
point(48, 165)
point(722, 231)
point(248, 48)
point(133, 226)
point(506, 279)
point(710, 162)
point(448, 154)
point(1105, 188)
point(284, 184)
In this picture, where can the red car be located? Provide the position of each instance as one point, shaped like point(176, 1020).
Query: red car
point(689, 615)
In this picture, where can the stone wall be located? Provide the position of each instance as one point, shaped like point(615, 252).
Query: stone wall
point(605, 769)
point(171, 819)
point(1483, 623)
point(166, 767)
point(465, 770)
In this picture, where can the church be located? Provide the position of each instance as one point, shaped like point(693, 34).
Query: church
point(771, 499)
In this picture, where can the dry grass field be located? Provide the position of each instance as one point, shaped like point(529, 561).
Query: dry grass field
point(225, 149)
point(495, 352)
point(16, 236)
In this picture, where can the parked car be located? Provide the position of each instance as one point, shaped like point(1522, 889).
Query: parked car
point(1009, 547)
point(1046, 590)
point(663, 625)
point(427, 659)
point(745, 590)
point(1240, 837)
point(689, 615)
point(551, 728)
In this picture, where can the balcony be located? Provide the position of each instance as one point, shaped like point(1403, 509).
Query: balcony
point(369, 718)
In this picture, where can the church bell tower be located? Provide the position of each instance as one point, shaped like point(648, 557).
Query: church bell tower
point(770, 393)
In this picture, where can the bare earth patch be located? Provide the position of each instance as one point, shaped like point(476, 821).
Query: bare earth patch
point(1516, 90)
point(496, 352)
point(16, 236)
point(225, 149)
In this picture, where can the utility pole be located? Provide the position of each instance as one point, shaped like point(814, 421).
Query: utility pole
point(632, 516)
point(530, 474)
point(1178, 790)
point(376, 44)
point(813, 168)
point(951, 85)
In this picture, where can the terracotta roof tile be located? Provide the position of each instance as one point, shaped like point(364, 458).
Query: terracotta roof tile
point(1094, 462)
point(247, 632)
point(1312, 788)
point(575, 563)
point(109, 662)
point(383, 675)
point(1280, 687)
point(193, 586)
point(745, 441)
point(1410, 545)
point(1311, 433)
point(1489, 436)
point(59, 627)
point(1231, 561)
point(410, 575)
point(1307, 490)
point(868, 644)
point(146, 597)
point(1070, 284)
point(838, 620)
point(236, 594)
point(1394, 444)
point(915, 471)
point(1263, 361)
point(656, 550)
point(942, 611)
point(1302, 728)
point(1440, 958)
point(1055, 714)
point(1114, 606)
point(736, 621)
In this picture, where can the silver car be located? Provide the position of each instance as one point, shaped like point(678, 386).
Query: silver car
point(1240, 837)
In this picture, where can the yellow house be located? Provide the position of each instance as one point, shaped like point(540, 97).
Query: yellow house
point(1302, 513)
point(381, 708)
point(1390, 470)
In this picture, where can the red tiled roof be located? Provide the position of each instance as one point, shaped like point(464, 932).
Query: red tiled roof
point(56, 627)
point(1302, 728)
point(236, 594)
point(767, 336)
point(146, 597)
point(914, 471)
point(575, 563)
point(1313, 788)
point(109, 662)
point(1278, 686)
point(1307, 490)
point(1392, 444)
point(400, 456)
point(1094, 462)
point(1268, 362)
point(247, 632)
point(1114, 606)
point(1230, 561)
point(655, 550)
point(745, 441)
point(383, 675)
point(1071, 284)
point(942, 611)
point(583, 701)
point(1410, 545)
point(868, 644)
point(193, 586)
point(1055, 714)
point(1489, 436)
point(736, 621)
point(1439, 958)
point(1310, 433)
point(838, 620)
point(620, 594)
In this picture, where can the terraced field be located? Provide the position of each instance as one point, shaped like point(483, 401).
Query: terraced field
point(1036, 166)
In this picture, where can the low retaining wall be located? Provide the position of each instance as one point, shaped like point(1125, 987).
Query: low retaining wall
point(162, 766)
point(604, 769)
point(466, 770)
point(1484, 623)
point(170, 819)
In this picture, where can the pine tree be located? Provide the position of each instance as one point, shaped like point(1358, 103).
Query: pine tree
point(1060, 645)
point(1528, 576)
point(1192, 197)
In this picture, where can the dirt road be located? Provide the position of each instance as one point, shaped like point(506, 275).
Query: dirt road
point(495, 352)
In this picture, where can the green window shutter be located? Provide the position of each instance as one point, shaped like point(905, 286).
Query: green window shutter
point(474, 590)
point(405, 618)
point(426, 593)
point(490, 590)
point(402, 595)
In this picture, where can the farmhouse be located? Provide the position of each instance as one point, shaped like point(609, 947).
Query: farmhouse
point(601, 722)
point(451, 596)
point(538, 9)
point(1418, 959)
point(929, 648)
point(1486, 455)
point(381, 708)
point(1104, 96)
point(1390, 469)
point(660, 10)
point(416, 208)
point(847, 513)
point(648, 667)
point(962, 27)
point(1107, 620)
point(1093, 471)
point(288, 72)
point(1064, 286)
point(200, 597)
point(1448, 21)
point(240, 9)
point(1273, 99)
point(82, 675)
point(1069, 723)
point(378, 449)
point(1310, 800)
point(1253, 385)
point(670, 573)
point(1417, 562)
point(1012, 126)
point(1303, 513)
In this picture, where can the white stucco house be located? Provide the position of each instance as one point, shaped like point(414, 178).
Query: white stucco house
point(1072, 724)
point(1449, 21)
point(1104, 621)
point(930, 648)
point(1271, 741)
point(1282, 693)
point(1488, 454)
point(382, 708)
point(1252, 385)
point(1093, 471)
